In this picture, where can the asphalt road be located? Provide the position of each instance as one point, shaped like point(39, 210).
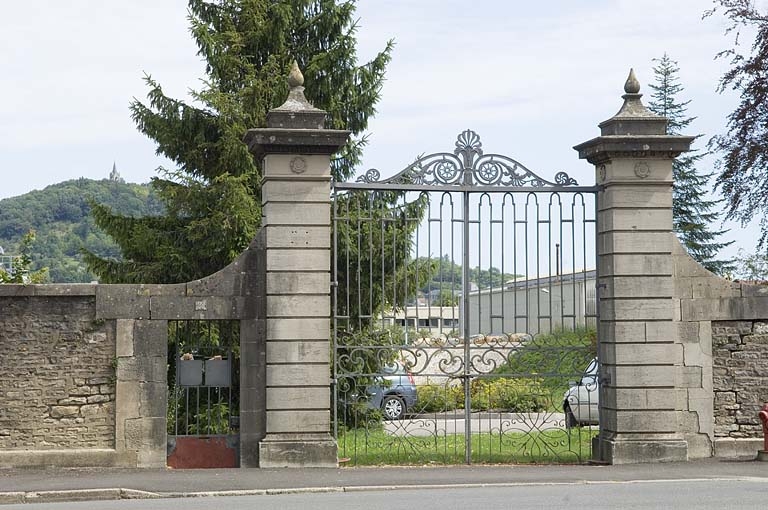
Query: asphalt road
point(678, 494)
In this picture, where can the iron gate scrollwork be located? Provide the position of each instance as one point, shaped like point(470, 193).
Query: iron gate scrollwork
point(463, 305)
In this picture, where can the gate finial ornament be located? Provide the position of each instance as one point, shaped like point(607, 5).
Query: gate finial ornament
point(295, 78)
point(296, 111)
point(468, 166)
point(632, 85)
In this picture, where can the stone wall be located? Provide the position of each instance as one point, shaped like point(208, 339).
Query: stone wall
point(83, 370)
point(719, 386)
point(57, 374)
point(740, 360)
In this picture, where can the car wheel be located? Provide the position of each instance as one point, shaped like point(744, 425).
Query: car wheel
point(393, 407)
point(570, 419)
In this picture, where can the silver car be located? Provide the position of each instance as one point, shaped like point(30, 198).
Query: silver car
point(394, 392)
point(581, 401)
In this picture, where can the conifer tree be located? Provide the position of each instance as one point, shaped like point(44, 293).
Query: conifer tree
point(692, 213)
point(742, 174)
point(212, 196)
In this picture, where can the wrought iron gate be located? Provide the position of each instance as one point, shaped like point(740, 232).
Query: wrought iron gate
point(464, 303)
point(203, 393)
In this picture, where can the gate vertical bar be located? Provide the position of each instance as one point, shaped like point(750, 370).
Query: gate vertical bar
point(465, 303)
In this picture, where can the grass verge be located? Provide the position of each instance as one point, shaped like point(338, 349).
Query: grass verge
point(374, 448)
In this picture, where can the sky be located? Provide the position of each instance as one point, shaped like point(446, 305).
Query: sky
point(533, 79)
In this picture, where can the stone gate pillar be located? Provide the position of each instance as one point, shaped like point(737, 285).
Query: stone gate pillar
point(639, 357)
point(295, 150)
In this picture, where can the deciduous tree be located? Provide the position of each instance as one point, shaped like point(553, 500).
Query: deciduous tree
point(743, 169)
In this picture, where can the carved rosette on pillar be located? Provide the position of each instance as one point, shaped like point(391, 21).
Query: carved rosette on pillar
point(295, 150)
point(639, 356)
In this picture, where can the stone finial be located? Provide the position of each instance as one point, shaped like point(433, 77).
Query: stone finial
point(296, 112)
point(634, 118)
point(632, 85)
point(295, 78)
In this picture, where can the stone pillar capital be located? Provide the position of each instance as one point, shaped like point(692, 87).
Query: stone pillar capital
point(295, 127)
point(603, 149)
point(633, 133)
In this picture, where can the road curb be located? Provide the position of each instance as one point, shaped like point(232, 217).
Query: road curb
point(7, 498)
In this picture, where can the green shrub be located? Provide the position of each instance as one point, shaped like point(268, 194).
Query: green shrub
point(436, 398)
point(507, 394)
point(496, 394)
point(555, 358)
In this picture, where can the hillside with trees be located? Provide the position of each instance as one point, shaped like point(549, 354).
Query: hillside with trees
point(60, 217)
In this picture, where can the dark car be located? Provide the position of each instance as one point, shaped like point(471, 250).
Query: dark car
point(394, 392)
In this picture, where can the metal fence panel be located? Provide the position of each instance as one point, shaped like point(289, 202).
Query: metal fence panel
point(463, 306)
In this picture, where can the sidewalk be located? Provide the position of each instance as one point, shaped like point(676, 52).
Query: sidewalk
point(27, 485)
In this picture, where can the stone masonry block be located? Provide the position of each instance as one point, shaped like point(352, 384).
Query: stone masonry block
point(121, 302)
point(298, 454)
point(197, 308)
point(142, 369)
point(647, 376)
point(683, 287)
point(631, 264)
point(284, 213)
point(621, 173)
point(299, 283)
point(280, 165)
point(642, 450)
point(298, 306)
point(639, 399)
point(285, 421)
point(705, 337)
point(688, 332)
point(636, 309)
point(702, 408)
point(316, 328)
point(124, 337)
point(694, 356)
point(724, 309)
point(298, 398)
point(150, 338)
point(612, 242)
point(635, 197)
point(299, 237)
point(638, 354)
point(127, 400)
point(652, 422)
point(690, 377)
point(146, 434)
point(715, 287)
point(298, 351)
point(749, 290)
point(660, 331)
point(229, 281)
point(686, 267)
point(288, 260)
point(636, 287)
point(634, 220)
point(621, 332)
point(298, 375)
point(292, 191)
point(154, 399)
